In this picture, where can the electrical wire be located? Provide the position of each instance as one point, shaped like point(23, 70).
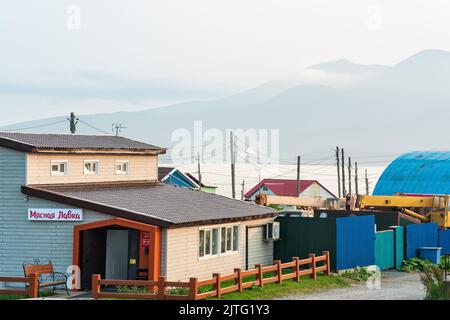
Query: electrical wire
point(35, 127)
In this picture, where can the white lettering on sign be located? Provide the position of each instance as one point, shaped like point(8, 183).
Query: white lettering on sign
point(55, 214)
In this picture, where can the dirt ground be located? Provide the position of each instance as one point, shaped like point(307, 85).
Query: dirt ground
point(394, 286)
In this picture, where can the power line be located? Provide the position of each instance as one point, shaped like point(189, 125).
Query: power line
point(93, 127)
point(36, 127)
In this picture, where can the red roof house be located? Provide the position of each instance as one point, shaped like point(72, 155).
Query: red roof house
point(288, 187)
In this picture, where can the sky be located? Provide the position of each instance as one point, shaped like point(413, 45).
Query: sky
point(111, 55)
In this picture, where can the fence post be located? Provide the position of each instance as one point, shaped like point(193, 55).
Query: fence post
point(279, 271)
point(313, 266)
point(327, 255)
point(193, 288)
point(161, 288)
point(95, 286)
point(217, 284)
point(33, 286)
point(260, 275)
point(297, 268)
point(238, 280)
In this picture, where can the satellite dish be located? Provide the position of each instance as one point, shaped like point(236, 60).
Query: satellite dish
point(323, 215)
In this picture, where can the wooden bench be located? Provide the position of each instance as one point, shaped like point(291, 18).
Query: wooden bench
point(47, 277)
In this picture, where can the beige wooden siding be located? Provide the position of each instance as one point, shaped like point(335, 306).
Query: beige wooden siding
point(141, 167)
point(258, 248)
point(181, 259)
point(316, 190)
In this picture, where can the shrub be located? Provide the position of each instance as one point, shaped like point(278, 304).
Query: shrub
point(416, 265)
point(360, 274)
point(433, 280)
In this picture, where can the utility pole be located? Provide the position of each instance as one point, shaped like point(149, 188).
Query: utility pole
point(349, 175)
point(73, 123)
point(367, 184)
point(344, 192)
point(356, 177)
point(242, 190)
point(338, 172)
point(118, 127)
point(233, 187)
point(199, 170)
point(298, 175)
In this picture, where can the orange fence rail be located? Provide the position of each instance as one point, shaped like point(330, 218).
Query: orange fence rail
point(215, 286)
point(31, 291)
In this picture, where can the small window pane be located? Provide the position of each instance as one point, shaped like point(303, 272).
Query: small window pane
point(228, 239)
point(223, 242)
point(55, 168)
point(62, 167)
point(215, 241)
point(208, 242)
point(235, 238)
point(202, 243)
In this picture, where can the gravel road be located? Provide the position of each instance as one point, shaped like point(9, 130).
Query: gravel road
point(394, 286)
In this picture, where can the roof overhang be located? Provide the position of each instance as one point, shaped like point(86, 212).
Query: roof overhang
point(24, 147)
point(94, 206)
point(36, 191)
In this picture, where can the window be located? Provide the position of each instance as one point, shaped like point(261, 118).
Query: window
point(121, 167)
point(90, 167)
point(59, 168)
point(230, 239)
point(208, 242)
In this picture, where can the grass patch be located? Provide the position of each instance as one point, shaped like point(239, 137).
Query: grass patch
point(18, 297)
point(288, 287)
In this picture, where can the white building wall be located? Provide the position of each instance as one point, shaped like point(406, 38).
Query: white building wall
point(182, 256)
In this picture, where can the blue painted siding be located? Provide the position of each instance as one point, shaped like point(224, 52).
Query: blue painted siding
point(355, 242)
point(177, 179)
point(22, 240)
point(420, 235)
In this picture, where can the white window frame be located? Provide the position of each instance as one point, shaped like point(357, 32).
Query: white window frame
point(58, 173)
point(89, 173)
point(219, 241)
point(210, 254)
point(122, 162)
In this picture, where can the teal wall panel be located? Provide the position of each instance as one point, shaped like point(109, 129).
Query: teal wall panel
point(384, 249)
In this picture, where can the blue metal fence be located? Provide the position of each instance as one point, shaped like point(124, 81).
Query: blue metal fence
point(444, 241)
point(355, 242)
point(420, 235)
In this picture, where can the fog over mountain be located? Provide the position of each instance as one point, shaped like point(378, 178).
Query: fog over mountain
point(387, 110)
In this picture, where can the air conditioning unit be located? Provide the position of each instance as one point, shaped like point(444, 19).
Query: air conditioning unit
point(272, 231)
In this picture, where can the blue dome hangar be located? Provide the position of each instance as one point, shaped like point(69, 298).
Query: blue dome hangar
point(421, 172)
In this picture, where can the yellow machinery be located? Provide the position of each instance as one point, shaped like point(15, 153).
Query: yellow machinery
point(433, 208)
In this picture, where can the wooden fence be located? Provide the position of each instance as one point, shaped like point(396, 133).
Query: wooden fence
point(218, 284)
point(31, 291)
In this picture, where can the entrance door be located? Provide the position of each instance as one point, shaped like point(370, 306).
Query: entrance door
point(93, 255)
point(117, 254)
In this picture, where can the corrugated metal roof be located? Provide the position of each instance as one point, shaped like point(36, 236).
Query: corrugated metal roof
point(35, 142)
point(416, 172)
point(158, 203)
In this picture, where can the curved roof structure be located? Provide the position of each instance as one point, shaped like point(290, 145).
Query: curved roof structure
point(416, 172)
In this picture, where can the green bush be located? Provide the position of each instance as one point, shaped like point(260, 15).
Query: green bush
point(360, 274)
point(416, 265)
point(132, 289)
point(433, 280)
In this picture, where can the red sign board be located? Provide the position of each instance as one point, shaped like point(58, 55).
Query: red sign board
point(145, 239)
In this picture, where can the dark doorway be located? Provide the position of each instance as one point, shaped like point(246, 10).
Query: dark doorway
point(93, 253)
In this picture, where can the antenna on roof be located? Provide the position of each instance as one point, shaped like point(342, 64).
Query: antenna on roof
point(117, 127)
point(73, 123)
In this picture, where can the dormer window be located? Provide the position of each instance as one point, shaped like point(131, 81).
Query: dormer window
point(90, 167)
point(59, 168)
point(122, 167)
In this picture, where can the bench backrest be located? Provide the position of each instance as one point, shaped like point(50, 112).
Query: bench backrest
point(39, 269)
